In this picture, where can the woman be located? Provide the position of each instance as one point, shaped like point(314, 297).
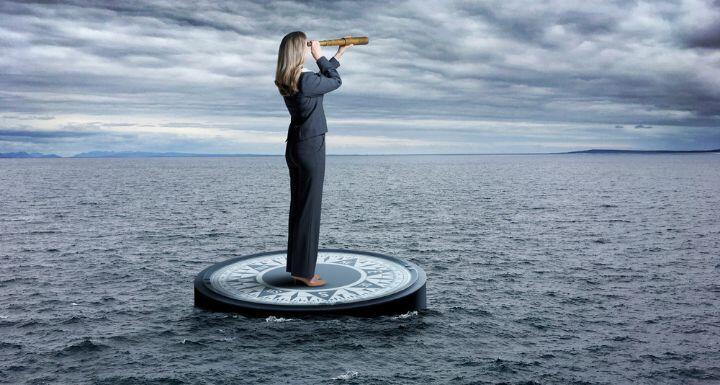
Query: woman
point(303, 92)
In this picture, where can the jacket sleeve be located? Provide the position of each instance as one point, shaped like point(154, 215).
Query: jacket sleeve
point(334, 62)
point(316, 84)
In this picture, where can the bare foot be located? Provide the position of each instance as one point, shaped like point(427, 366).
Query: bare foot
point(314, 281)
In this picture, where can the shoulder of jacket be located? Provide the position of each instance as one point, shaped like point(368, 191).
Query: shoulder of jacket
point(308, 74)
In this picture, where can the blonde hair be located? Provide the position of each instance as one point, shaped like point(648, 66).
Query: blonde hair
point(291, 57)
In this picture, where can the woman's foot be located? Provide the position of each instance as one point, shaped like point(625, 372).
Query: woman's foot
point(314, 281)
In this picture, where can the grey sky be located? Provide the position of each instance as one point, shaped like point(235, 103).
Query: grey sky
point(445, 77)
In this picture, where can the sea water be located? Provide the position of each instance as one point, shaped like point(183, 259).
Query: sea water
point(542, 269)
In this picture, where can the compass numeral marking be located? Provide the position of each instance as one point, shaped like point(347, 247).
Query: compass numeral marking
point(261, 266)
point(269, 291)
point(327, 294)
point(375, 272)
point(367, 285)
point(348, 262)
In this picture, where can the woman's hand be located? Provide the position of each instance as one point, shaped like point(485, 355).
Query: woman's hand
point(315, 49)
point(342, 48)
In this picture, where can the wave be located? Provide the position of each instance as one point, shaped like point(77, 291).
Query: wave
point(347, 375)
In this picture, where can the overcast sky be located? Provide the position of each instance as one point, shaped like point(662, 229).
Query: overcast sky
point(451, 77)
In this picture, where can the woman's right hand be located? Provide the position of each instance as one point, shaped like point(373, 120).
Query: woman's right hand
point(315, 49)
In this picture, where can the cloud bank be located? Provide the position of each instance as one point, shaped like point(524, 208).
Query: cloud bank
point(454, 77)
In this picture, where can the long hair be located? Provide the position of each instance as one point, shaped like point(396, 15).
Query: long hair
point(291, 57)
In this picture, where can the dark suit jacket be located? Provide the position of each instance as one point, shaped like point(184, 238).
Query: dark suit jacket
point(307, 117)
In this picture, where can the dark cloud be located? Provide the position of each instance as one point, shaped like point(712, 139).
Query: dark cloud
point(28, 117)
point(28, 134)
point(183, 67)
point(702, 30)
point(708, 37)
point(44, 134)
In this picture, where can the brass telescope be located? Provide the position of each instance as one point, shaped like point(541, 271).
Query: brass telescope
point(360, 40)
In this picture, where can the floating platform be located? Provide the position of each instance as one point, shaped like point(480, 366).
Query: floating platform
point(358, 283)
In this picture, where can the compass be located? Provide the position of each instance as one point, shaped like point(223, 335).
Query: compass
point(358, 282)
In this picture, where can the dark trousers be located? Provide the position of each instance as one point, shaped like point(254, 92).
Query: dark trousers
point(306, 161)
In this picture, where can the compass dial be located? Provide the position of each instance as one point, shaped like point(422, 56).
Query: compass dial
point(350, 277)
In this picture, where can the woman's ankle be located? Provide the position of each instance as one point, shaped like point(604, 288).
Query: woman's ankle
point(302, 277)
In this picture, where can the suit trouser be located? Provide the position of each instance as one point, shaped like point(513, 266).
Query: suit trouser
point(306, 162)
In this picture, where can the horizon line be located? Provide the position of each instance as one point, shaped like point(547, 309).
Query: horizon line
point(173, 154)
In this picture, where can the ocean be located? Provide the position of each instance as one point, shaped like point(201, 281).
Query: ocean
point(542, 269)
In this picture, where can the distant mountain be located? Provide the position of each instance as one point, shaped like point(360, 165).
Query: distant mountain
point(602, 151)
point(26, 155)
point(140, 154)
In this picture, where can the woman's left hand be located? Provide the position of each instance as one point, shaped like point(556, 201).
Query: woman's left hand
point(342, 48)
